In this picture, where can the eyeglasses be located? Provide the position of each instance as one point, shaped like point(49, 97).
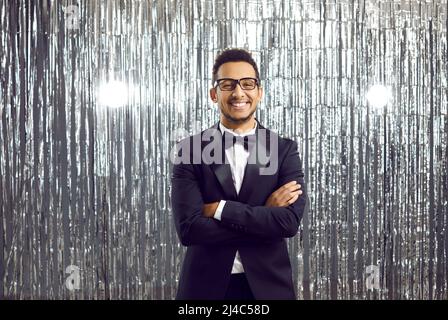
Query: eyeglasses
point(228, 84)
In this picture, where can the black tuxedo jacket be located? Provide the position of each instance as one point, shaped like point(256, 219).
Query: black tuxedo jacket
point(256, 231)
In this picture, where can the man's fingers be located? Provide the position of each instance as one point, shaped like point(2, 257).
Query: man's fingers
point(294, 187)
point(289, 184)
point(287, 193)
point(293, 199)
point(283, 198)
point(295, 195)
point(288, 187)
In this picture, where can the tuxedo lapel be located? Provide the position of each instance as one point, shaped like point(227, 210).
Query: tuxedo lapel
point(257, 160)
point(259, 157)
point(222, 169)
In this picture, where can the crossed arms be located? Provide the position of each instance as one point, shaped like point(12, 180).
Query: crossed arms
point(278, 218)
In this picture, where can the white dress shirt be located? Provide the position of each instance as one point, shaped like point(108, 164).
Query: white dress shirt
point(237, 157)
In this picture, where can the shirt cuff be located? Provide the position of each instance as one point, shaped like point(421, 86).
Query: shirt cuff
point(218, 211)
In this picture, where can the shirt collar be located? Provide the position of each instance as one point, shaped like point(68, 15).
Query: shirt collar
point(222, 128)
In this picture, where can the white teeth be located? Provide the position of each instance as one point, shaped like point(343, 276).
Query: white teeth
point(241, 104)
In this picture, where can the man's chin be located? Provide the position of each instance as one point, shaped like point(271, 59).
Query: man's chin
point(239, 119)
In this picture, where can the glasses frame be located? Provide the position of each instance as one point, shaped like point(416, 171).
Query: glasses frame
point(236, 82)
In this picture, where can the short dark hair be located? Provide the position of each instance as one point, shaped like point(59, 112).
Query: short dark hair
point(234, 55)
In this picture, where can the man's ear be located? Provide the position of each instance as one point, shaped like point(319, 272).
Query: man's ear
point(213, 95)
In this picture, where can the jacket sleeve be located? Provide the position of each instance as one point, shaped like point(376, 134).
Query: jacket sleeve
point(191, 226)
point(274, 221)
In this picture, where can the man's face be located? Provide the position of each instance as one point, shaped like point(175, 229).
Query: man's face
point(238, 105)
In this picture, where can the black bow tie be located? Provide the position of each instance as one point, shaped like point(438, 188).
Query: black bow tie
point(229, 140)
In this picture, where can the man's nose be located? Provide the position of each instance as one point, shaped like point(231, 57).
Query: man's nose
point(238, 91)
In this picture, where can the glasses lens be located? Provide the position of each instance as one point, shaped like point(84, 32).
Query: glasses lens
point(227, 85)
point(248, 84)
point(230, 84)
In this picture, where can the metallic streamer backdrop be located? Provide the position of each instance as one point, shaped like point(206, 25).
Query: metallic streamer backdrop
point(87, 185)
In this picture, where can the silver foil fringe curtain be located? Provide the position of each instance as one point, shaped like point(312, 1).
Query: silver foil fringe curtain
point(85, 182)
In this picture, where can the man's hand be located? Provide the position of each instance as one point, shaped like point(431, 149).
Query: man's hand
point(208, 210)
point(282, 197)
point(285, 195)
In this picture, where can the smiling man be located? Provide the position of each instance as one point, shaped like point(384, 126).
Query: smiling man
point(237, 97)
point(233, 218)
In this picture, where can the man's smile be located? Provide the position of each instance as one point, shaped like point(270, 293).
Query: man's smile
point(240, 105)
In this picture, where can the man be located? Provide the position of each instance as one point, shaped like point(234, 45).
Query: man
point(233, 216)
